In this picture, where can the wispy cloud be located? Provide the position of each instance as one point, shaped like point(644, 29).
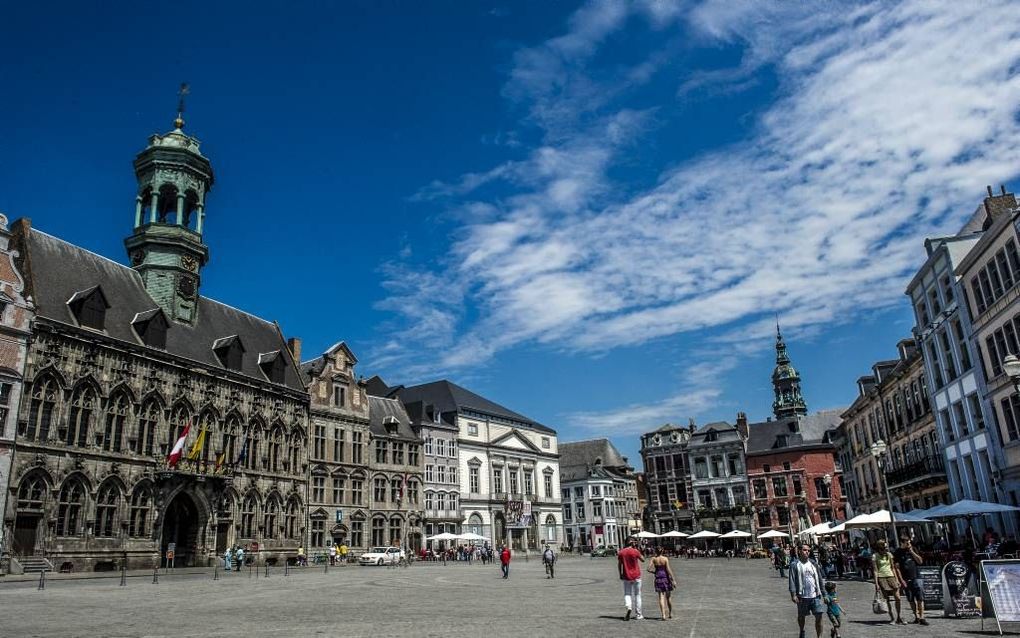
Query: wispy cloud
point(889, 120)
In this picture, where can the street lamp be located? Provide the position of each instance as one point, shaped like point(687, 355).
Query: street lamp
point(827, 480)
point(1011, 366)
point(879, 450)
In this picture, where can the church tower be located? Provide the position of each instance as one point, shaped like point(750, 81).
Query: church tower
point(166, 246)
point(786, 384)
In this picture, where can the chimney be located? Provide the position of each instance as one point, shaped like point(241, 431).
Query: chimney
point(742, 429)
point(294, 345)
point(997, 205)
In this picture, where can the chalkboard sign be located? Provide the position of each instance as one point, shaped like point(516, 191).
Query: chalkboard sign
point(1001, 588)
point(960, 590)
point(931, 586)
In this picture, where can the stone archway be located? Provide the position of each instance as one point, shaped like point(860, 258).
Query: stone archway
point(184, 526)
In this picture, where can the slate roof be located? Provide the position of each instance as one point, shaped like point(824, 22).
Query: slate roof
point(813, 430)
point(450, 397)
point(726, 432)
point(587, 452)
point(379, 408)
point(56, 270)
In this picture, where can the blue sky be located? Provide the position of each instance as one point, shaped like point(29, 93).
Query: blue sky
point(591, 213)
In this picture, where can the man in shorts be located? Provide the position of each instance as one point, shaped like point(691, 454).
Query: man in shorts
point(807, 583)
point(907, 559)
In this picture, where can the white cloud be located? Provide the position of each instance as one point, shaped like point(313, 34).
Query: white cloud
point(889, 120)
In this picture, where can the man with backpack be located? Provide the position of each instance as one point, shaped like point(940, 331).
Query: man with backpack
point(549, 559)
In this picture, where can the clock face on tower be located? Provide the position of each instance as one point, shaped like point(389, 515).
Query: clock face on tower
point(189, 263)
point(186, 286)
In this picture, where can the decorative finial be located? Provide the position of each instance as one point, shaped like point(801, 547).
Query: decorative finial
point(184, 90)
point(779, 335)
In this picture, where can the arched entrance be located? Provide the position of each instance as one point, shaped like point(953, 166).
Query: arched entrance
point(184, 523)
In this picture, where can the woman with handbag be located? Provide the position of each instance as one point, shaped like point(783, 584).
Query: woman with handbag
point(665, 582)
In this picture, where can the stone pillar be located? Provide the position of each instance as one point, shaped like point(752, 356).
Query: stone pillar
point(138, 211)
point(154, 206)
point(180, 209)
point(201, 218)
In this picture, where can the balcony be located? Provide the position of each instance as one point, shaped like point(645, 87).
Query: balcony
point(928, 470)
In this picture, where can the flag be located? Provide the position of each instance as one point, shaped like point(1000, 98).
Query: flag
point(219, 461)
point(175, 453)
point(196, 447)
point(244, 450)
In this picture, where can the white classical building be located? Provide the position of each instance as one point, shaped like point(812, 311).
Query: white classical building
point(508, 465)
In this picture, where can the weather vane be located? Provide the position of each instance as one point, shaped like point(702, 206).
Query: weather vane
point(184, 90)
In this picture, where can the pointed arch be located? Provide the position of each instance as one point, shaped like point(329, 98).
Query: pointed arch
point(292, 515)
point(140, 513)
point(33, 490)
point(71, 503)
point(82, 413)
point(46, 392)
point(231, 433)
point(108, 506)
point(118, 411)
point(253, 441)
point(149, 426)
point(271, 515)
point(181, 414)
point(249, 513)
point(127, 389)
point(274, 447)
point(208, 420)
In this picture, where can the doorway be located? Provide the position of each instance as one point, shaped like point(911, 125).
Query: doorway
point(25, 529)
point(183, 527)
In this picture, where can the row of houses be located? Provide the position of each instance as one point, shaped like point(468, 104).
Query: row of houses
point(104, 367)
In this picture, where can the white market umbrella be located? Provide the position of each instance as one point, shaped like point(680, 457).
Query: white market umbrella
point(833, 530)
point(736, 534)
point(704, 534)
point(773, 534)
point(644, 534)
point(881, 518)
point(471, 536)
point(817, 529)
point(445, 536)
point(673, 534)
point(967, 507)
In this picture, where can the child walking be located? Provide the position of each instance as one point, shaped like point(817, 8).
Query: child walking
point(832, 609)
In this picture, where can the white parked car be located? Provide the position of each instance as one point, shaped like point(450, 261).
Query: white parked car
point(381, 556)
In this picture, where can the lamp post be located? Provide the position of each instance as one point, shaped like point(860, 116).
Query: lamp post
point(827, 480)
point(879, 450)
point(1011, 366)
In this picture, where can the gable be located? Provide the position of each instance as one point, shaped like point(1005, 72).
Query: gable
point(514, 440)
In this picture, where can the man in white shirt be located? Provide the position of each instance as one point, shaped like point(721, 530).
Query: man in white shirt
point(806, 586)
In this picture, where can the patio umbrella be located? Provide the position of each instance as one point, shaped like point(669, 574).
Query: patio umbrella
point(817, 529)
point(773, 534)
point(881, 518)
point(673, 534)
point(968, 507)
point(736, 534)
point(704, 534)
point(833, 530)
point(644, 534)
point(471, 536)
point(445, 536)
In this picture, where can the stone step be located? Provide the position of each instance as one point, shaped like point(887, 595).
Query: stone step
point(35, 564)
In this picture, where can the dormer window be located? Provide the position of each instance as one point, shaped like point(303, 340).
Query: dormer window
point(229, 351)
point(151, 327)
point(339, 394)
point(89, 308)
point(273, 366)
point(391, 424)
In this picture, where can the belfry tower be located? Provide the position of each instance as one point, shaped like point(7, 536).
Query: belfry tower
point(166, 247)
point(786, 384)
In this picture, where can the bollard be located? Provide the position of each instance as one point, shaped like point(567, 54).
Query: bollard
point(249, 570)
point(155, 575)
point(123, 576)
point(42, 579)
point(216, 572)
point(325, 567)
point(286, 568)
point(257, 573)
point(267, 570)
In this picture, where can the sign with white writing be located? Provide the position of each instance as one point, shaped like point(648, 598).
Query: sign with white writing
point(960, 594)
point(931, 586)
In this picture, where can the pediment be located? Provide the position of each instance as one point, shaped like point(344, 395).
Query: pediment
point(319, 513)
point(514, 440)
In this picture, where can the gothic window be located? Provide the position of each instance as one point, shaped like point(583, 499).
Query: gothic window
point(83, 404)
point(32, 493)
point(248, 510)
point(271, 517)
point(116, 416)
point(396, 524)
point(251, 451)
point(275, 442)
point(178, 421)
point(141, 506)
point(106, 510)
point(297, 443)
point(148, 424)
point(45, 395)
point(71, 502)
point(228, 444)
point(291, 517)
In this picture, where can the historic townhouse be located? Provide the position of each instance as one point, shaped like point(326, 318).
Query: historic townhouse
point(123, 361)
point(893, 407)
point(791, 460)
point(719, 477)
point(667, 478)
point(508, 465)
point(599, 493)
point(16, 314)
point(396, 472)
point(338, 502)
point(956, 384)
point(990, 273)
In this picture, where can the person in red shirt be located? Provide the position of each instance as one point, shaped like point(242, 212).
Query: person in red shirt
point(628, 561)
point(504, 561)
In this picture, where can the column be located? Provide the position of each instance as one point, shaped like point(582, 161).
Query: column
point(138, 211)
point(180, 209)
point(153, 207)
point(201, 218)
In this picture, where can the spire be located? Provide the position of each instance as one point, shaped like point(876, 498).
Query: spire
point(179, 121)
point(786, 383)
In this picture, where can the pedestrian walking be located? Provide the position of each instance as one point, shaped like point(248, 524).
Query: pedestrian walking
point(887, 579)
point(332, 554)
point(628, 562)
point(226, 560)
point(549, 560)
point(665, 582)
point(806, 586)
point(832, 609)
point(240, 558)
point(907, 559)
point(301, 559)
point(504, 562)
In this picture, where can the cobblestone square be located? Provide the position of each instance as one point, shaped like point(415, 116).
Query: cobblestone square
point(716, 598)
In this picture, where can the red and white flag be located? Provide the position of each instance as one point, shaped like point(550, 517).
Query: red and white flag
point(178, 451)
